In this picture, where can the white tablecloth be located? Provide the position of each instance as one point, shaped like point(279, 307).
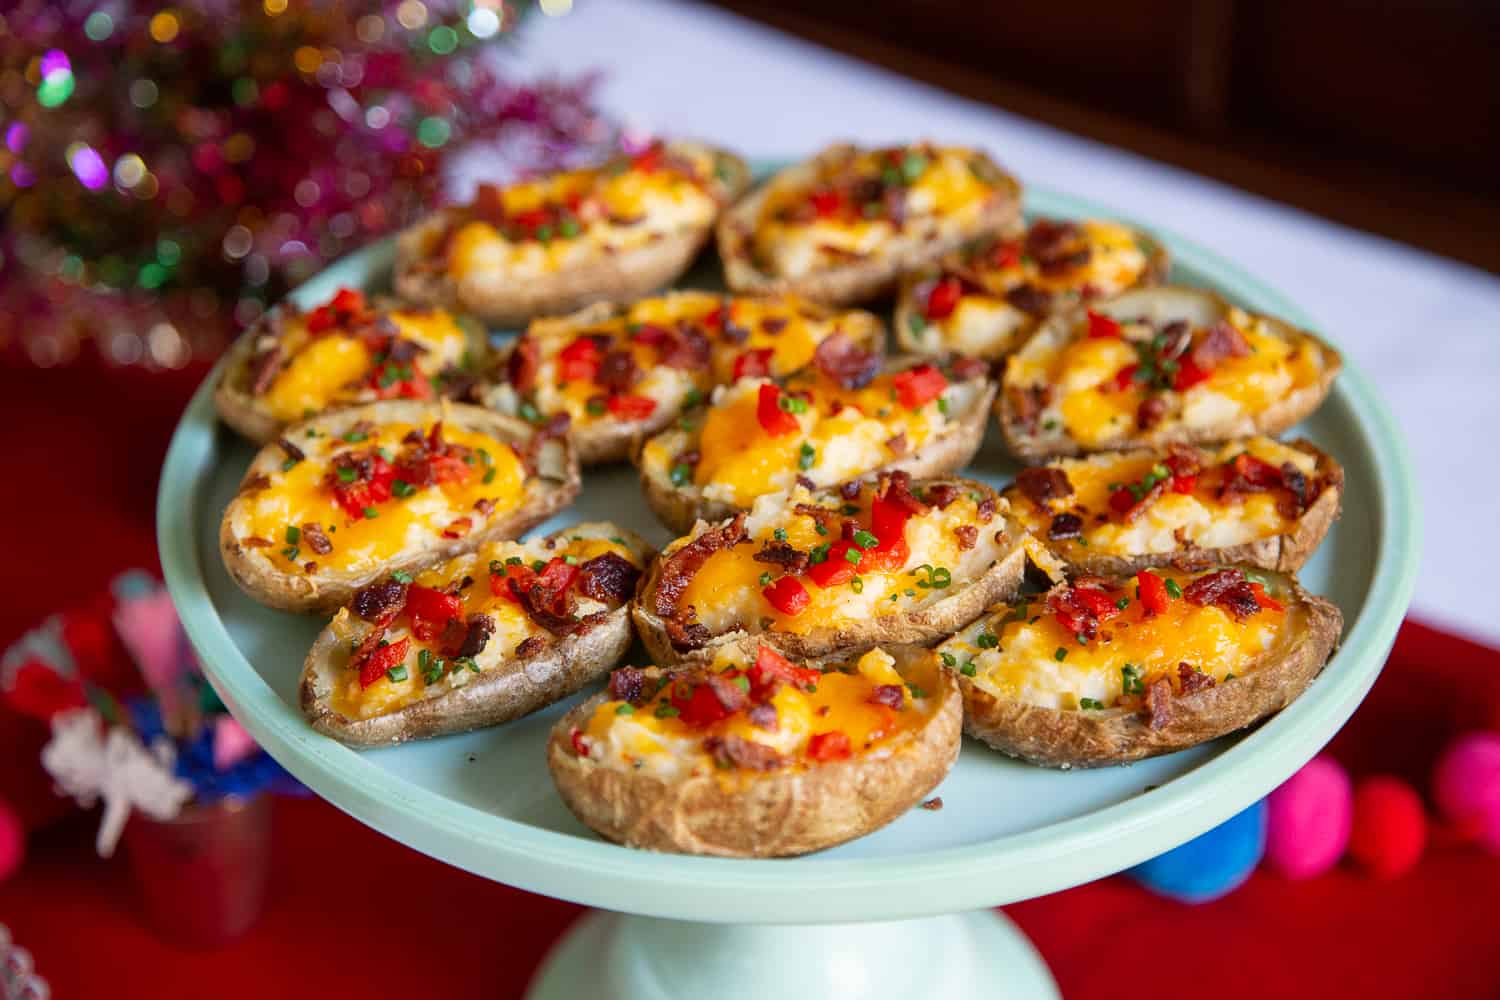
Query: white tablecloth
point(1425, 328)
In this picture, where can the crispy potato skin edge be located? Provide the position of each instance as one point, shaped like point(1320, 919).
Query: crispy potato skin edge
point(503, 301)
point(325, 592)
point(679, 509)
point(1284, 553)
point(1058, 738)
point(776, 814)
point(940, 620)
point(861, 281)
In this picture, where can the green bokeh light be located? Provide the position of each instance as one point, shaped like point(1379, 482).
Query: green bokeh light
point(99, 26)
point(55, 88)
point(433, 132)
point(442, 40)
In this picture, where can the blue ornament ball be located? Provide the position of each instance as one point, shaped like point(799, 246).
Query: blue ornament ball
point(1211, 865)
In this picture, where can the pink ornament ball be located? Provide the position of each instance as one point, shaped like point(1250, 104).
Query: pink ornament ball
point(1390, 826)
point(1466, 785)
point(12, 841)
point(1308, 820)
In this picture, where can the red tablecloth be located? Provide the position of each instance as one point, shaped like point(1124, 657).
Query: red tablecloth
point(355, 914)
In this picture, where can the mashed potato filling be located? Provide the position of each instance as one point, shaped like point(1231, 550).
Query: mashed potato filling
point(1055, 652)
point(759, 713)
point(349, 489)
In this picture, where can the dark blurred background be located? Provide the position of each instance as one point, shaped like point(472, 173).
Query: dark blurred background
point(1380, 115)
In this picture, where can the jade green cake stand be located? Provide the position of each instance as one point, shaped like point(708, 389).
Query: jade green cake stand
point(904, 912)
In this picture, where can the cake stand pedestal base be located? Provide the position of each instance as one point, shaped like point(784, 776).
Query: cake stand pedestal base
point(610, 956)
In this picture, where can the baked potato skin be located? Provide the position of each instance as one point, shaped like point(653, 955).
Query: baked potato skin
point(1295, 406)
point(1067, 739)
point(1158, 267)
point(934, 622)
point(523, 685)
point(776, 814)
point(504, 302)
point(679, 508)
point(1285, 553)
point(856, 282)
point(238, 407)
point(552, 489)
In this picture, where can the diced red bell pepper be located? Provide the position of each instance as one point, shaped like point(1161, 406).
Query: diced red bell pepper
point(431, 611)
point(698, 706)
point(651, 335)
point(837, 568)
point(919, 386)
point(648, 159)
point(773, 419)
point(344, 305)
point(888, 519)
point(1265, 600)
point(829, 746)
point(1006, 254)
point(1121, 500)
point(1188, 375)
point(416, 387)
point(753, 364)
point(557, 576)
point(1153, 591)
point(770, 667)
point(1184, 484)
point(1096, 602)
point(381, 659)
point(580, 360)
point(354, 497)
point(1256, 471)
point(787, 595)
point(532, 219)
point(449, 469)
point(1125, 377)
point(1102, 326)
point(631, 407)
point(500, 583)
point(943, 298)
point(580, 744)
point(714, 318)
point(827, 203)
point(886, 556)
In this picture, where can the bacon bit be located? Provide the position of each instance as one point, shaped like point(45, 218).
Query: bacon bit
point(312, 534)
point(1124, 503)
point(824, 516)
point(256, 542)
point(1046, 238)
point(806, 483)
point(627, 684)
point(1227, 589)
point(1082, 607)
point(609, 578)
point(889, 695)
point(850, 490)
point(380, 601)
point(1065, 526)
point(897, 444)
point(1151, 412)
point(484, 506)
point(934, 804)
point(458, 528)
point(753, 364)
point(1064, 263)
point(1041, 483)
point(1158, 703)
point(773, 325)
point(845, 362)
point(1191, 681)
point(521, 367)
point(1221, 341)
point(480, 628)
point(677, 571)
point(530, 646)
point(736, 751)
point(763, 716)
point(785, 555)
point(618, 371)
point(1029, 402)
point(829, 746)
point(264, 368)
point(968, 536)
point(733, 697)
point(1029, 299)
point(254, 484)
point(293, 453)
point(965, 368)
point(986, 510)
point(895, 488)
point(309, 567)
point(942, 494)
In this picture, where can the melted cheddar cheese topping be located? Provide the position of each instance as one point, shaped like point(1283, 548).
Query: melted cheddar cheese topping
point(272, 522)
point(1189, 512)
point(856, 205)
point(1099, 383)
point(945, 550)
point(428, 668)
point(973, 306)
point(840, 434)
point(813, 717)
point(1025, 652)
point(553, 222)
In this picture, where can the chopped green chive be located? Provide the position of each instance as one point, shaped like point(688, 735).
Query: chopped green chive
point(402, 488)
point(396, 673)
point(1060, 655)
point(1090, 704)
point(681, 475)
point(347, 474)
point(625, 709)
point(371, 513)
point(968, 669)
point(805, 456)
point(1172, 589)
point(293, 534)
point(865, 539)
point(401, 576)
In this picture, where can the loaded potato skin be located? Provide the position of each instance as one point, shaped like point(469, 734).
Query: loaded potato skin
point(843, 227)
point(346, 498)
point(845, 417)
point(838, 570)
point(1155, 367)
point(487, 637)
point(293, 365)
point(1107, 670)
point(1257, 501)
point(562, 241)
point(754, 755)
point(618, 373)
point(985, 298)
